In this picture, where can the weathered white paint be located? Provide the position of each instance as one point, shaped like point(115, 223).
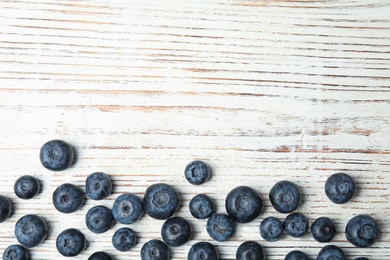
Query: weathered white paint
point(261, 90)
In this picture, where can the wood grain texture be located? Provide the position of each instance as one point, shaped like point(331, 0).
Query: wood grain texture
point(261, 90)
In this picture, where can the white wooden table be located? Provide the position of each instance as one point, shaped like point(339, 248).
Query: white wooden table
point(261, 90)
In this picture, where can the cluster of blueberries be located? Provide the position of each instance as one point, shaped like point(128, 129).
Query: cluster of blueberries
point(243, 204)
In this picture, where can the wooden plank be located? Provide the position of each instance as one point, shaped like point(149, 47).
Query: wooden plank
point(260, 90)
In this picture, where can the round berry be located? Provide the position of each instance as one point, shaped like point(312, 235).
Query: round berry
point(202, 206)
point(26, 187)
point(296, 224)
point(323, 229)
point(331, 252)
point(203, 251)
point(155, 250)
point(271, 229)
point(161, 201)
point(362, 231)
point(70, 242)
point(98, 186)
point(296, 255)
point(124, 239)
point(31, 230)
point(100, 255)
point(250, 250)
point(127, 208)
point(5, 208)
point(15, 252)
point(56, 155)
point(340, 188)
point(176, 231)
point(99, 219)
point(285, 196)
point(197, 172)
point(220, 227)
point(68, 198)
point(243, 204)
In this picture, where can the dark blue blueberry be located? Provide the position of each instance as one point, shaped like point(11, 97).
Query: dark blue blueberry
point(243, 204)
point(362, 231)
point(5, 208)
point(296, 224)
point(323, 229)
point(27, 187)
point(68, 198)
point(155, 250)
point(202, 206)
point(98, 186)
point(197, 172)
point(220, 227)
point(176, 231)
point(361, 258)
point(331, 252)
point(296, 255)
point(31, 230)
point(340, 188)
point(250, 250)
point(124, 239)
point(15, 252)
point(56, 155)
point(161, 201)
point(127, 208)
point(271, 229)
point(70, 242)
point(202, 251)
point(285, 196)
point(100, 255)
point(99, 219)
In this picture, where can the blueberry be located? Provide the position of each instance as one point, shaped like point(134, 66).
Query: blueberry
point(27, 187)
point(70, 242)
point(271, 229)
point(202, 251)
point(5, 208)
point(127, 208)
point(296, 255)
point(362, 231)
point(155, 250)
point(100, 255)
point(202, 206)
point(31, 230)
point(161, 201)
point(340, 188)
point(176, 231)
point(124, 239)
point(250, 250)
point(56, 155)
point(98, 186)
point(331, 252)
point(99, 219)
point(197, 172)
point(285, 196)
point(323, 229)
point(68, 198)
point(243, 204)
point(220, 227)
point(296, 224)
point(15, 252)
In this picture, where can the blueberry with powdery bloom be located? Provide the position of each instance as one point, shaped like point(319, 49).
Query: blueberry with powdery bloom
point(201, 206)
point(362, 231)
point(70, 242)
point(331, 252)
point(202, 251)
point(5, 208)
point(100, 255)
point(285, 196)
point(31, 230)
point(98, 186)
point(340, 188)
point(155, 250)
point(56, 155)
point(26, 187)
point(220, 227)
point(127, 208)
point(197, 172)
point(161, 201)
point(15, 252)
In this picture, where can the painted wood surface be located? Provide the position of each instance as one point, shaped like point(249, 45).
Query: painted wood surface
point(260, 90)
